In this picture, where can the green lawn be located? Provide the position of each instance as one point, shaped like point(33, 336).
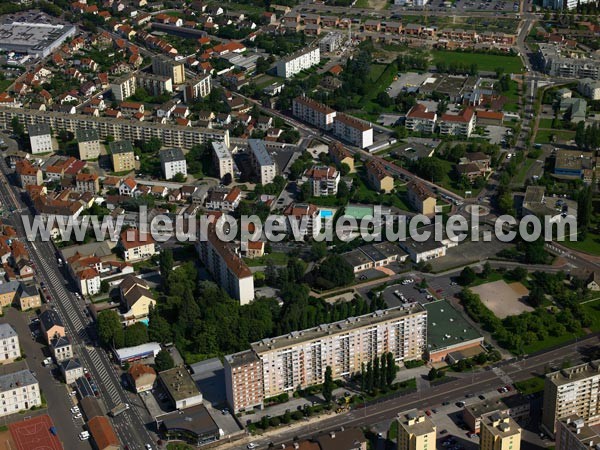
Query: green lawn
point(393, 431)
point(531, 385)
point(4, 84)
point(544, 136)
point(484, 61)
point(592, 310)
point(545, 123)
point(551, 341)
point(591, 244)
point(277, 258)
point(520, 176)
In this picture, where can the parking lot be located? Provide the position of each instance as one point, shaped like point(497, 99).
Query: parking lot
point(407, 82)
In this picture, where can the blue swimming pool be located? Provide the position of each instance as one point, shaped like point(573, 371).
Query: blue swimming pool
point(325, 213)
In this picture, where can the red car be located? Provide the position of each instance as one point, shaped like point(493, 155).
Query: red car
point(428, 412)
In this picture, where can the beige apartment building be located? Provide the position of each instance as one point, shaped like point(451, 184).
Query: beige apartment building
point(244, 381)
point(88, 144)
point(572, 433)
point(223, 159)
point(299, 359)
point(499, 432)
point(123, 158)
point(162, 65)
point(415, 431)
point(119, 129)
point(572, 391)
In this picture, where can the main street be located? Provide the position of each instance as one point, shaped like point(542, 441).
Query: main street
point(130, 426)
point(482, 381)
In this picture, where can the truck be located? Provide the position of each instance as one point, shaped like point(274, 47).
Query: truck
point(120, 408)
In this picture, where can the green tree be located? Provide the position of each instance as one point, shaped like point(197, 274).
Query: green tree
point(17, 127)
point(369, 377)
point(328, 385)
point(467, 276)
point(159, 329)
point(166, 267)
point(163, 361)
point(382, 372)
point(104, 286)
point(433, 374)
point(110, 330)
point(390, 369)
point(318, 250)
point(136, 334)
point(376, 372)
point(487, 270)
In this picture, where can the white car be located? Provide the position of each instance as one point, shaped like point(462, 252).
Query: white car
point(74, 409)
point(77, 416)
point(251, 445)
point(148, 447)
point(84, 435)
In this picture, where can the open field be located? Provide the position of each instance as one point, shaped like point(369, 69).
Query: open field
point(503, 299)
point(484, 61)
point(544, 136)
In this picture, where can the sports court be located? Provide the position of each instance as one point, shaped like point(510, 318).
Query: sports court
point(504, 299)
point(34, 434)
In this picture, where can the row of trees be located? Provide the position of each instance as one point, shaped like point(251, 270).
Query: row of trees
point(587, 137)
point(379, 373)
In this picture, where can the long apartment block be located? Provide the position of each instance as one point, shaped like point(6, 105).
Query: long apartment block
point(572, 391)
point(119, 129)
point(282, 364)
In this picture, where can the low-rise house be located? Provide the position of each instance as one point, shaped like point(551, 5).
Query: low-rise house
point(224, 199)
point(420, 119)
point(29, 297)
point(142, 377)
point(379, 177)
point(323, 180)
point(9, 292)
point(87, 182)
point(302, 217)
point(136, 298)
point(71, 370)
point(9, 344)
point(51, 325)
point(136, 245)
point(61, 348)
point(28, 174)
point(421, 198)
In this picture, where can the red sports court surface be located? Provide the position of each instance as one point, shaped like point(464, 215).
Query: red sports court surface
point(34, 434)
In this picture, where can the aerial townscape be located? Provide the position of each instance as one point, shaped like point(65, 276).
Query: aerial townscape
point(234, 224)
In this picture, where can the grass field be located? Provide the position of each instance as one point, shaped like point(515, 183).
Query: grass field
point(484, 61)
point(4, 84)
point(591, 244)
point(512, 95)
point(520, 176)
point(545, 123)
point(279, 259)
point(531, 385)
point(544, 136)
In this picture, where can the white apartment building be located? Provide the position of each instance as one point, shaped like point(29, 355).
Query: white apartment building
point(120, 129)
point(88, 144)
point(19, 391)
point(589, 88)
point(352, 130)
point(313, 112)
point(40, 138)
point(9, 344)
point(228, 269)
point(172, 162)
point(295, 63)
point(419, 119)
point(324, 180)
point(223, 159)
point(461, 124)
point(123, 87)
point(571, 391)
point(299, 359)
point(263, 163)
point(332, 42)
point(572, 433)
point(562, 62)
point(563, 4)
point(197, 88)
point(61, 348)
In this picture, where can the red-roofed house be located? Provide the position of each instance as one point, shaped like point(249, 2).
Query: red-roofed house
point(460, 124)
point(420, 119)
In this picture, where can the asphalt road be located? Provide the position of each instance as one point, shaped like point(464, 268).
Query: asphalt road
point(55, 392)
point(130, 426)
point(486, 380)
